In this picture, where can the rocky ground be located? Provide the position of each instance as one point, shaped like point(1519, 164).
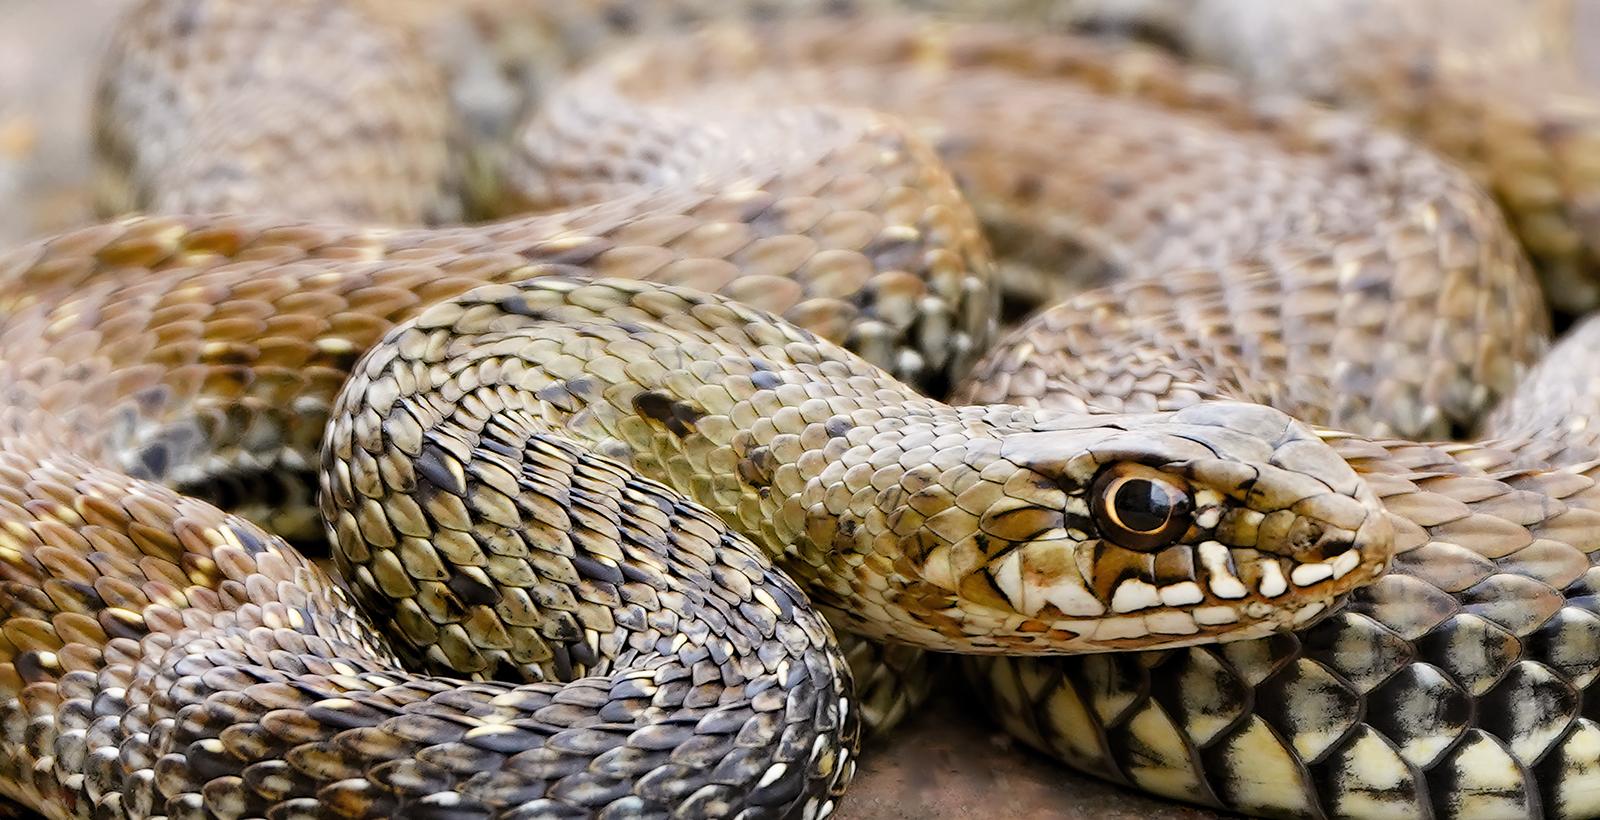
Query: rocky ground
point(949, 763)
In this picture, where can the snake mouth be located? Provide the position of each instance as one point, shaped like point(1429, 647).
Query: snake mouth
point(1210, 592)
point(1221, 522)
point(1068, 596)
point(1210, 573)
point(1238, 573)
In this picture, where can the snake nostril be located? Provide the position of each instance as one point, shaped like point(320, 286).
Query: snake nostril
point(1335, 548)
point(1303, 536)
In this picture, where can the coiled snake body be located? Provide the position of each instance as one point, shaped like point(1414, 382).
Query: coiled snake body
point(579, 458)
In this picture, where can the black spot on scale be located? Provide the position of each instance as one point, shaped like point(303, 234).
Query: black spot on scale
point(506, 670)
point(236, 490)
point(21, 598)
point(207, 765)
point(582, 653)
point(678, 417)
point(1174, 565)
point(757, 468)
point(764, 380)
point(583, 387)
point(837, 427)
point(895, 252)
point(499, 447)
point(471, 591)
point(1168, 676)
point(432, 466)
point(1334, 549)
point(84, 594)
point(562, 660)
point(685, 415)
point(30, 667)
point(1076, 521)
point(557, 395)
point(223, 491)
point(236, 355)
point(597, 570)
point(633, 574)
point(780, 596)
point(518, 305)
point(653, 405)
point(664, 504)
point(132, 628)
point(249, 539)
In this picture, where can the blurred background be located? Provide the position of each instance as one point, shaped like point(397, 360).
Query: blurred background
point(48, 53)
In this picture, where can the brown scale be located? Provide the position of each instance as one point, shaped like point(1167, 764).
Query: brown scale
point(1458, 684)
point(1493, 86)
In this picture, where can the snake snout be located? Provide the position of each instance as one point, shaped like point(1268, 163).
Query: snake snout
point(1218, 522)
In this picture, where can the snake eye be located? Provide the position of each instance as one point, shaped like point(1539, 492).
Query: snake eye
point(1139, 508)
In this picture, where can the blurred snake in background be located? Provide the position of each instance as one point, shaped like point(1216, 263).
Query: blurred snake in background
point(668, 392)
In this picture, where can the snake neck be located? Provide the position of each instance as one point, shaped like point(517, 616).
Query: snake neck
point(965, 529)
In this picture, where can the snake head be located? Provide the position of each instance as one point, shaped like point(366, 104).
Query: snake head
point(1221, 521)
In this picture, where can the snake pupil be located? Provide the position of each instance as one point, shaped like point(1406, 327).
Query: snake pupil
point(1143, 506)
point(1139, 508)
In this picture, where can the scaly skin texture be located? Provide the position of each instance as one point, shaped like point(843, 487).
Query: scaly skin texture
point(1557, 406)
point(180, 661)
point(1461, 684)
point(997, 105)
point(962, 530)
point(1490, 84)
point(525, 566)
point(489, 477)
point(1411, 253)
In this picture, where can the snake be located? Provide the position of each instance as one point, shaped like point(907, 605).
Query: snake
point(638, 480)
point(1497, 91)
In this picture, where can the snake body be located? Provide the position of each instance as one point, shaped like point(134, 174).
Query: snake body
point(612, 501)
point(1459, 685)
point(1495, 88)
